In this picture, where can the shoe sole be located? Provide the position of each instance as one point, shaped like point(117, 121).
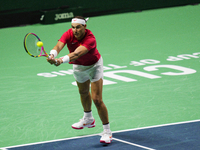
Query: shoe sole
point(105, 142)
point(83, 127)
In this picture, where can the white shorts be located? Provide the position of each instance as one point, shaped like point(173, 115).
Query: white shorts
point(92, 73)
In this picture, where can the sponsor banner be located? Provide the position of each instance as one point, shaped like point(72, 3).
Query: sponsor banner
point(60, 15)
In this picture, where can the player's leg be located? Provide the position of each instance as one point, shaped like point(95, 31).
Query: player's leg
point(96, 90)
point(84, 91)
point(87, 120)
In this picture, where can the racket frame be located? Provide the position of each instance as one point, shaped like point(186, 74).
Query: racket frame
point(42, 48)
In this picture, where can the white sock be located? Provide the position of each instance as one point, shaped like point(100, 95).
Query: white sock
point(106, 127)
point(88, 115)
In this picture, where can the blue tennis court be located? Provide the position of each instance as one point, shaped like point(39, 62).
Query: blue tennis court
point(175, 136)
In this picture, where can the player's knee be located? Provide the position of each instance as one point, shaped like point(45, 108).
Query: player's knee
point(84, 92)
point(97, 100)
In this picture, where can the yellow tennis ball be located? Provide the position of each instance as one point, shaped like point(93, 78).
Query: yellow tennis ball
point(39, 44)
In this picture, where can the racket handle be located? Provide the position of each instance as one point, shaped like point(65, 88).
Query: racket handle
point(55, 63)
point(55, 60)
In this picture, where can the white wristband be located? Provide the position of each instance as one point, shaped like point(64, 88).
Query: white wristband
point(54, 52)
point(65, 59)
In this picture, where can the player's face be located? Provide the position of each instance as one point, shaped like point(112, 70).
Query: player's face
point(78, 30)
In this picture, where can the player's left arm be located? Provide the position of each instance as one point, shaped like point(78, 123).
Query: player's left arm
point(80, 51)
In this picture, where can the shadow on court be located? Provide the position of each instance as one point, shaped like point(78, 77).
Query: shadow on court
point(178, 136)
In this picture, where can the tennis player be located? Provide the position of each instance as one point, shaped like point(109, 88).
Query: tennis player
point(88, 69)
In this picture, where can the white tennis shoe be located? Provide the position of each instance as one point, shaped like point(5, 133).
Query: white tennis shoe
point(106, 137)
point(84, 122)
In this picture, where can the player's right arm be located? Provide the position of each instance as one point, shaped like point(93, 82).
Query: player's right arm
point(59, 46)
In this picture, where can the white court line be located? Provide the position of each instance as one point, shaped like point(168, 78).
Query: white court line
point(5, 148)
point(156, 126)
point(144, 147)
point(58, 140)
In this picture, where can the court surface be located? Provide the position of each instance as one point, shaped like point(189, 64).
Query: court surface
point(151, 85)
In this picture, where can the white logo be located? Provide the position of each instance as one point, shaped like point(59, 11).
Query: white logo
point(42, 17)
point(115, 73)
point(64, 16)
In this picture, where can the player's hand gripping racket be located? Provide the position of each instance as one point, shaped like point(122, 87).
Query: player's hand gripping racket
point(34, 46)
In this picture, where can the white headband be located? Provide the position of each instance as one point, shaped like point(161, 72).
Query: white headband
point(81, 21)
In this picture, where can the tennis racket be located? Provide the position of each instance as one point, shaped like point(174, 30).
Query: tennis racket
point(30, 45)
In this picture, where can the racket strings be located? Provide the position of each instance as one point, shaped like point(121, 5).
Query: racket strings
point(31, 45)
